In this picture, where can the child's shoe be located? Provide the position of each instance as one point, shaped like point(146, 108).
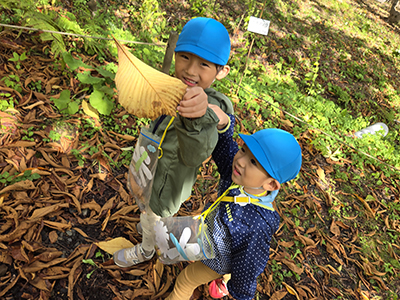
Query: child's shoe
point(129, 257)
point(217, 289)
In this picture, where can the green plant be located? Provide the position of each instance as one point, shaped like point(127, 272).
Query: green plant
point(54, 135)
point(17, 59)
point(28, 134)
point(100, 88)
point(6, 101)
point(92, 263)
point(78, 155)
point(9, 179)
point(12, 81)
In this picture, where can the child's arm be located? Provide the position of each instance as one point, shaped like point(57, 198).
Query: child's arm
point(225, 150)
point(198, 136)
point(222, 116)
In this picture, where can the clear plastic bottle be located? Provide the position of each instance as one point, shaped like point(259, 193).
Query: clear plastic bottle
point(373, 129)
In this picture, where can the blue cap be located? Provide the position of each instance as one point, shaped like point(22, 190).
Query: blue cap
point(206, 38)
point(277, 151)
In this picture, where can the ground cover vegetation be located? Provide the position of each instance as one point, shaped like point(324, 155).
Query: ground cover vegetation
point(325, 70)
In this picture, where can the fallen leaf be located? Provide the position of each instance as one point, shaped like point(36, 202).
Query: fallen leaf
point(19, 186)
point(142, 90)
point(114, 245)
point(291, 290)
point(89, 110)
point(158, 272)
point(53, 236)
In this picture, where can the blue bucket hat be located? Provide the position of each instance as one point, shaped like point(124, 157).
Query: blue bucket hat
point(277, 151)
point(206, 38)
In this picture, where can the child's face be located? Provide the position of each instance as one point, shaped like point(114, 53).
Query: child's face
point(248, 172)
point(193, 70)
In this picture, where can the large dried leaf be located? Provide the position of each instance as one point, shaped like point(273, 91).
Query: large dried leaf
point(114, 245)
point(142, 90)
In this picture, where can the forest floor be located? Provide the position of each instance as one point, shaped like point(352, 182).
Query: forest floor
point(50, 224)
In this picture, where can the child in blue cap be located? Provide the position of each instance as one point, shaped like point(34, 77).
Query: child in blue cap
point(201, 55)
point(243, 225)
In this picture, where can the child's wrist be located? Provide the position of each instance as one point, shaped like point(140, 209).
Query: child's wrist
point(222, 127)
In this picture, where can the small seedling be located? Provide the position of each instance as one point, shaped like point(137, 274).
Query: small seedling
point(92, 263)
point(17, 59)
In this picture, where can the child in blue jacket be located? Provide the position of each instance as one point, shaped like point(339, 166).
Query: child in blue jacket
point(243, 226)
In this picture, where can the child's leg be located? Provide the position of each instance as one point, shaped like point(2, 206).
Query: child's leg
point(190, 278)
point(148, 219)
point(227, 277)
point(140, 252)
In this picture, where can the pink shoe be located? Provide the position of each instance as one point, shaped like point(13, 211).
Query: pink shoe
point(218, 289)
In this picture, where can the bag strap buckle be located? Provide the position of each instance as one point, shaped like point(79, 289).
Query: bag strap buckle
point(242, 199)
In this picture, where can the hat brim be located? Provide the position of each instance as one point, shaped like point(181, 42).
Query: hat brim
point(258, 153)
point(200, 52)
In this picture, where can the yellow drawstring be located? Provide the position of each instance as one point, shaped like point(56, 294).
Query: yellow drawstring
point(163, 136)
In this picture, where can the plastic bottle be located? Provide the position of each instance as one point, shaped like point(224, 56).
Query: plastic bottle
point(373, 129)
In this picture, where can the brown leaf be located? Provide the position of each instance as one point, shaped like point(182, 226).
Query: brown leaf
point(73, 276)
point(57, 225)
point(334, 228)
point(41, 284)
point(157, 274)
point(41, 212)
point(18, 232)
point(38, 265)
point(19, 186)
point(164, 288)
point(53, 236)
point(292, 266)
point(9, 286)
point(48, 255)
point(144, 91)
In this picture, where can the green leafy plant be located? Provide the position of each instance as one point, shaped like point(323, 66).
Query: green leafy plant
point(6, 101)
point(17, 59)
point(65, 104)
point(78, 155)
point(8, 179)
point(100, 88)
point(12, 81)
point(28, 134)
point(92, 263)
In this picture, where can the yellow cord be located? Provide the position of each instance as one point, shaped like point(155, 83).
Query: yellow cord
point(215, 204)
point(163, 136)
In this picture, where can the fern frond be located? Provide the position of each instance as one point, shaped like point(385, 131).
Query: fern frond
point(44, 21)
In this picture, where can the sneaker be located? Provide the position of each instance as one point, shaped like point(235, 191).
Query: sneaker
point(129, 257)
point(218, 289)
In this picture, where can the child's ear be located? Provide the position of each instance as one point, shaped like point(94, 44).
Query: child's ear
point(271, 184)
point(221, 74)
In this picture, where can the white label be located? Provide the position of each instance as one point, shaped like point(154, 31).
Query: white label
point(258, 25)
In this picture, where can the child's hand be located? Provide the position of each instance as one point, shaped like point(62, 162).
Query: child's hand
point(194, 103)
point(222, 116)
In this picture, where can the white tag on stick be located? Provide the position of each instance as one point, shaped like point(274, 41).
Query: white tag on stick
point(258, 25)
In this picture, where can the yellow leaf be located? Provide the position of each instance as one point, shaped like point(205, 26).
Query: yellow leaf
point(321, 174)
point(114, 245)
point(142, 90)
point(89, 110)
point(291, 290)
point(287, 122)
